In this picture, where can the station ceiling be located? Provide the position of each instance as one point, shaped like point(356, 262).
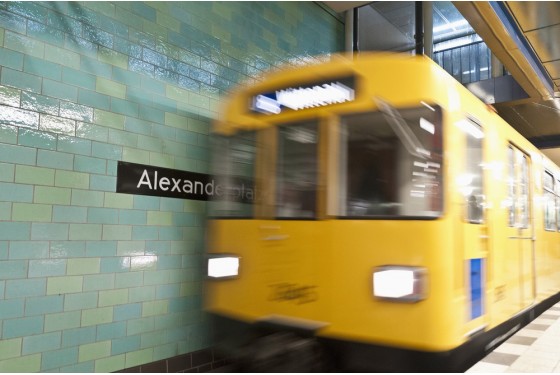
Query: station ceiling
point(524, 36)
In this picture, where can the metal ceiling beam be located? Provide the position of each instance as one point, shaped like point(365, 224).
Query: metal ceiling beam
point(342, 6)
point(492, 22)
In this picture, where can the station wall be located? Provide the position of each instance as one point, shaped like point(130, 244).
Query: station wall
point(97, 281)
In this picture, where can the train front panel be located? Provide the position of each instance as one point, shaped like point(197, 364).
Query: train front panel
point(322, 275)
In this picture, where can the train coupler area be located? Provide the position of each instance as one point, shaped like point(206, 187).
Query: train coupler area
point(283, 352)
point(266, 346)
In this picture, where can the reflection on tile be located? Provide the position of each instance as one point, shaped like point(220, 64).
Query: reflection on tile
point(146, 262)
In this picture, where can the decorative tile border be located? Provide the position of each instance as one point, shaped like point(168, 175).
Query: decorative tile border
point(200, 361)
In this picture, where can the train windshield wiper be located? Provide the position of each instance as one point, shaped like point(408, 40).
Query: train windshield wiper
point(401, 129)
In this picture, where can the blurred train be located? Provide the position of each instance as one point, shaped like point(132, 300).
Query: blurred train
point(373, 215)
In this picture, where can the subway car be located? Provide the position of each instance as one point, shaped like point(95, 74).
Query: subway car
point(371, 214)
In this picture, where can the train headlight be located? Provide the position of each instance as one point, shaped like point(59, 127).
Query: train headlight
point(222, 266)
point(400, 283)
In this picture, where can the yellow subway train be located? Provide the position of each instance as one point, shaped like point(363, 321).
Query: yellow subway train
point(371, 214)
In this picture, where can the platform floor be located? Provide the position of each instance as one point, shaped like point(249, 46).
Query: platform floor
point(535, 348)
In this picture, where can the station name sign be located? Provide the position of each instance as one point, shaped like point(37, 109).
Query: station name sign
point(142, 179)
point(313, 95)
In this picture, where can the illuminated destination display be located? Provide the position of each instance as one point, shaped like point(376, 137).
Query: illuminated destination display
point(318, 94)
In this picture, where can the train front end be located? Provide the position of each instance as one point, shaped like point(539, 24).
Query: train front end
point(331, 240)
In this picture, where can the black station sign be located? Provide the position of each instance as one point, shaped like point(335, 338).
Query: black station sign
point(172, 183)
point(316, 94)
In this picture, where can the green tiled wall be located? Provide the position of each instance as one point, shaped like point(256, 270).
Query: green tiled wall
point(92, 280)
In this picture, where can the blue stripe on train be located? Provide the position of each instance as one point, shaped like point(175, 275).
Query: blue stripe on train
point(476, 268)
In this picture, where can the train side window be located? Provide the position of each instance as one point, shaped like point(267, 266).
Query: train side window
point(524, 197)
point(518, 188)
point(549, 202)
point(471, 181)
point(511, 187)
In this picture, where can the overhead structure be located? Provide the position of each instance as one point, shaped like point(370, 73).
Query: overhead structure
point(525, 37)
point(496, 23)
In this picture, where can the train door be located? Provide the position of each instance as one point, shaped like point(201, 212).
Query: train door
point(520, 227)
point(475, 226)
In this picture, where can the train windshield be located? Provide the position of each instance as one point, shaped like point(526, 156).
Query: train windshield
point(388, 164)
point(391, 163)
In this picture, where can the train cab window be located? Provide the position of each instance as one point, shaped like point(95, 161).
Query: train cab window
point(549, 202)
point(296, 171)
point(471, 180)
point(391, 164)
point(233, 170)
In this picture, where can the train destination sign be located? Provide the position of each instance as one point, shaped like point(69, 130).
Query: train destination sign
point(172, 183)
point(317, 94)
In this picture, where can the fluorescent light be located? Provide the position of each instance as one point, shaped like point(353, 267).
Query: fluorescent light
point(451, 25)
